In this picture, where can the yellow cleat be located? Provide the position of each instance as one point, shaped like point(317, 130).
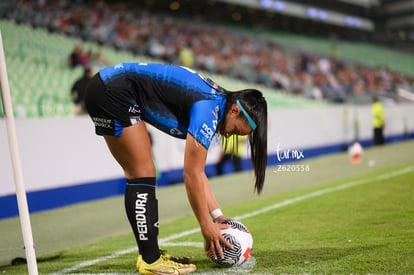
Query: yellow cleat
point(181, 260)
point(163, 266)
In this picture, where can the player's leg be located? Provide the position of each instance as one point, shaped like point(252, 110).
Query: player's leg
point(133, 152)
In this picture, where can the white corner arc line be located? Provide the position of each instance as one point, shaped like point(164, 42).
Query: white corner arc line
point(247, 215)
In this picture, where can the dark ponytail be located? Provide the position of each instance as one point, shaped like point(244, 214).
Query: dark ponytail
point(255, 105)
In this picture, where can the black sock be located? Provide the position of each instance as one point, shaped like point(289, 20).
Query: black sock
point(141, 208)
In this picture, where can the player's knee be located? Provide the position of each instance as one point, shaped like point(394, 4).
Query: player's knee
point(141, 171)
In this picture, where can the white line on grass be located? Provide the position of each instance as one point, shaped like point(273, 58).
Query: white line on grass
point(192, 244)
point(238, 270)
point(325, 191)
point(247, 215)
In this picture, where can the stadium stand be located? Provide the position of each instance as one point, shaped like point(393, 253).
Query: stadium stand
point(283, 65)
point(362, 52)
point(40, 79)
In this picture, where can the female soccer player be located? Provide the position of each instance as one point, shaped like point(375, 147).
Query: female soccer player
point(183, 104)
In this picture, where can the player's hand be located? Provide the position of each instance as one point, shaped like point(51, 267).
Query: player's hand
point(234, 222)
point(213, 239)
point(221, 218)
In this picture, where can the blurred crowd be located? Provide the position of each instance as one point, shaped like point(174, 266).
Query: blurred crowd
point(212, 48)
point(79, 57)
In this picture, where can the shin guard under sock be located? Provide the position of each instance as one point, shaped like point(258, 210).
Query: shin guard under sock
point(141, 208)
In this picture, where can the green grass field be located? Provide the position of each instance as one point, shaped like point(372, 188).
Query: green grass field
point(336, 218)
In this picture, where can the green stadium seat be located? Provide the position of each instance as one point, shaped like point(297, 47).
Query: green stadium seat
point(37, 69)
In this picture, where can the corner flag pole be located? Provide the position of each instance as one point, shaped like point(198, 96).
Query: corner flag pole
point(17, 168)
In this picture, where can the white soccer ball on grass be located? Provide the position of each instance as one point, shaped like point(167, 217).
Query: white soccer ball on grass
point(241, 239)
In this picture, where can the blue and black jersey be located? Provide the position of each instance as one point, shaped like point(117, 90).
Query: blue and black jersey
point(174, 99)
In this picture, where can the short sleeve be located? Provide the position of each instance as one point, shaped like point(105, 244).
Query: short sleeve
point(203, 121)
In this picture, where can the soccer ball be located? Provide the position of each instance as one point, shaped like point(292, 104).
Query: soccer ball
point(241, 239)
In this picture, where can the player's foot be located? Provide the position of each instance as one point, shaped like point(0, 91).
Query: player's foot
point(181, 260)
point(164, 266)
point(165, 255)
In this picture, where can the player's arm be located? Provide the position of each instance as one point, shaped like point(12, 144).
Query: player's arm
point(213, 206)
point(195, 182)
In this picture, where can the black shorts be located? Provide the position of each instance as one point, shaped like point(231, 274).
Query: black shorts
point(111, 109)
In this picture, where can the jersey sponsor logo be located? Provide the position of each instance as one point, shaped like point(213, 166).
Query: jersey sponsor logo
point(140, 217)
point(134, 109)
point(206, 131)
point(102, 122)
